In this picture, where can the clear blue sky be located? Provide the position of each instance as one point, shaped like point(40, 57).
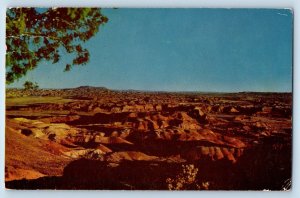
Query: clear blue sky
point(225, 50)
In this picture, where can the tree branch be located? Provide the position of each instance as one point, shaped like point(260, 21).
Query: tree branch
point(34, 35)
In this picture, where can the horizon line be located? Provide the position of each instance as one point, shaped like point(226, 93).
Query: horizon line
point(172, 91)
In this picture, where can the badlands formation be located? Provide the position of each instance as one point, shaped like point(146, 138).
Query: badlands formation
point(96, 138)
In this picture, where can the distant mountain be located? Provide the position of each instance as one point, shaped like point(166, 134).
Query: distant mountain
point(90, 88)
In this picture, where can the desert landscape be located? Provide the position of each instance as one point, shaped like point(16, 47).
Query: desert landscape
point(148, 99)
point(98, 138)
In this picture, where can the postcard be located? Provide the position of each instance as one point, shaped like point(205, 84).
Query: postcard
point(149, 99)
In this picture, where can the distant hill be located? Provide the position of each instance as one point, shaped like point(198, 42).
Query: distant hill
point(91, 88)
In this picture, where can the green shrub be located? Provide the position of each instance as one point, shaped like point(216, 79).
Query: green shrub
point(186, 180)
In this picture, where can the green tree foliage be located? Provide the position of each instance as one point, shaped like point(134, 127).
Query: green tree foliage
point(34, 35)
point(30, 85)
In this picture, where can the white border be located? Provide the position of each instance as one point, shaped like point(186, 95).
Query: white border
point(294, 4)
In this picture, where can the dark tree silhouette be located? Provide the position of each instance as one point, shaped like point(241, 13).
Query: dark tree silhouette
point(33, 35)
point(28, 85)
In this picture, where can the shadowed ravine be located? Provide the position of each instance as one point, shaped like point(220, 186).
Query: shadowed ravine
point(262, 172)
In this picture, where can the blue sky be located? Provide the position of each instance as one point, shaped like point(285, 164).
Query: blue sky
point(225, 50)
